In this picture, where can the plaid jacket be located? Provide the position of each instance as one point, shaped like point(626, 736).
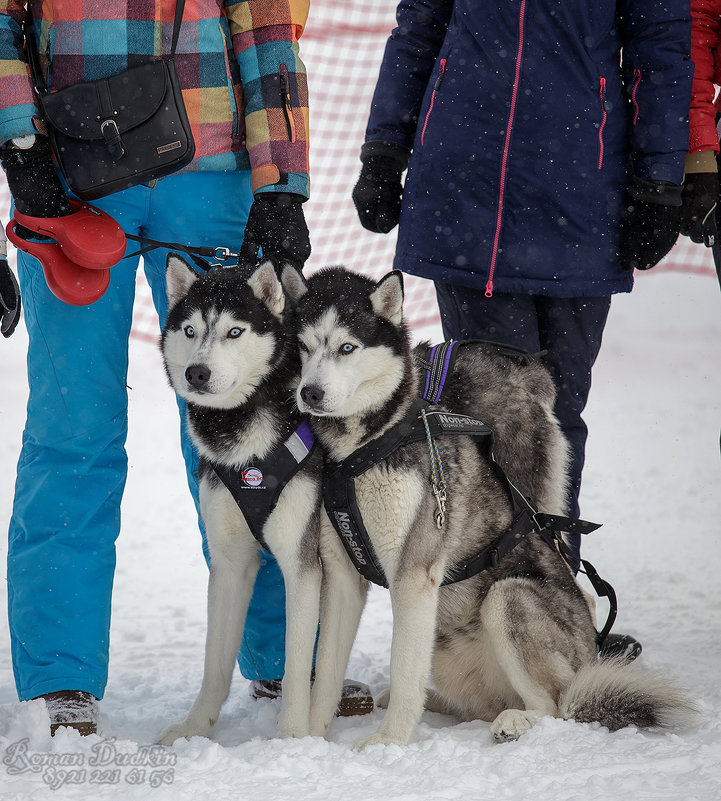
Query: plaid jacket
point(243, 82)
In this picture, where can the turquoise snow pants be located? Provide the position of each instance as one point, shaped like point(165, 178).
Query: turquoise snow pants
point(73, 465)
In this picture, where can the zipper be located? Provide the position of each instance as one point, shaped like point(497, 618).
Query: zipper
point(286, 102)
point(636, 82)
point(506, 148)
point(228, 54)
point(436, 87)
point(602, 95)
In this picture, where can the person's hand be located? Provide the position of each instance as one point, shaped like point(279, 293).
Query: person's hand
point(699, 198)
point(9, 299)
point(651, 224)
point(276, 225)
point(377, 195)
point(33, 182)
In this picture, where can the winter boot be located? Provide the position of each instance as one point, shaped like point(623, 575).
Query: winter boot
point(356, 698)
point(620, 645)
point(74, 709)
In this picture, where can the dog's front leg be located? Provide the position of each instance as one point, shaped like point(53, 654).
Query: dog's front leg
point(302, 595)
point(233, 568)
point(343, 595)
point(414, 600)
point(292, 532)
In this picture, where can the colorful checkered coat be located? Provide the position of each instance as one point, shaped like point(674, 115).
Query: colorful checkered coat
point(243, 82)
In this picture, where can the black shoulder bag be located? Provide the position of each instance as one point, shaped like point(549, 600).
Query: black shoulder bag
point(116, 132)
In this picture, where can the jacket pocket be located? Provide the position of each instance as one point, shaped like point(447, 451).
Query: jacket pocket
point(436, 87)
point(604, 116)
point(286, 102)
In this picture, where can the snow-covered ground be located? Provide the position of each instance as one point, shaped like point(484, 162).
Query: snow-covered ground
point(653, 477)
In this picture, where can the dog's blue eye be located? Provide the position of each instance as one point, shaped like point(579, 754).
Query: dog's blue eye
point(347, 348)
point(189, 331)
point(234, 333)
point(302, 347)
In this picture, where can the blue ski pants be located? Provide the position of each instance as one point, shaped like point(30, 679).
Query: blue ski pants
point(568, 331)
point(73, 466)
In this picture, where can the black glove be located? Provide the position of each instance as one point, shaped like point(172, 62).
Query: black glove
point(32, 180)
point(276, 224)
point(377, 195)
point(700, 197)
point(9, 299)
point(651, 224)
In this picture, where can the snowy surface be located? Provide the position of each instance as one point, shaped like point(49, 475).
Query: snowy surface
point(653, 478)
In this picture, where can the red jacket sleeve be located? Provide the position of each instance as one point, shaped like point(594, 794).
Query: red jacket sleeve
point(705, 54)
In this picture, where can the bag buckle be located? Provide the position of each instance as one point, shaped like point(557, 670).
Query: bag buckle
point(111, 134)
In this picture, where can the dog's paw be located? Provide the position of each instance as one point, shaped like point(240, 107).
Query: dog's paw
point(379, 738)
point(180, 730)
point(287, 730)
point(318, 727)
point(512, 723)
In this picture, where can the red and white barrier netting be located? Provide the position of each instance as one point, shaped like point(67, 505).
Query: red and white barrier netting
point(342, 48)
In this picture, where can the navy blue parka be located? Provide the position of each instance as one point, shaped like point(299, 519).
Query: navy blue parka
point(526, 120)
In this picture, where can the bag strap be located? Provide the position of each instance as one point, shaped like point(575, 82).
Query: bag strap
point(179, 6)
point(31, 46)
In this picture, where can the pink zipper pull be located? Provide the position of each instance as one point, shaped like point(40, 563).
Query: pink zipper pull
point(489, 288)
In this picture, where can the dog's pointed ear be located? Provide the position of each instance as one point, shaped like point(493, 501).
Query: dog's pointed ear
point(293, 282)
point(267, 288)
point(387, 297)
point(179, 277)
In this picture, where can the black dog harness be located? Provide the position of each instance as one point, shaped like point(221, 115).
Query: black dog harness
point(340, 498)
point(420, 424)
point(257, 487)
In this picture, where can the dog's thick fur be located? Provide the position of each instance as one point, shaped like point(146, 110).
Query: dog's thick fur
point(231, 355)
point(508, 645)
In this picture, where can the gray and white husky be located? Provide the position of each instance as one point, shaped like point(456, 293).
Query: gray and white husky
point(508, 645)
point(230, 353)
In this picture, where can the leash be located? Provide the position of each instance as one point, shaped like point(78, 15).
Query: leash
point(198, 254)
point(340, 501)
point(438, 479)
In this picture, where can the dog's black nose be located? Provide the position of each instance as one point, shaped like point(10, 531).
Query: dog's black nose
point(311, 395)
point(197, 375)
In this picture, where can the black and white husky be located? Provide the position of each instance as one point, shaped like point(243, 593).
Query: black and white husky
point(229, 352)
point(516, 641)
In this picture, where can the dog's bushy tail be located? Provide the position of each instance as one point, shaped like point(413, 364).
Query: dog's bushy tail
point(616, 693)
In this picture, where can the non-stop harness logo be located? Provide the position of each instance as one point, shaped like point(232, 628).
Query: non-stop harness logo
point(252, 478)
point(150, 765)
point(343, 520)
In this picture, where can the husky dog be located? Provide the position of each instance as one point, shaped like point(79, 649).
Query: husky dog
point(231, 356)
point(513, 642)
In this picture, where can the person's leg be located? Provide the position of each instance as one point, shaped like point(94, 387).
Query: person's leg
point(70, 479)
point(571, 330)
point(469, 314)
point(211, 209)
point(567, 331)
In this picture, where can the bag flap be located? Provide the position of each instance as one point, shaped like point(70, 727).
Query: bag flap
point(129, 99)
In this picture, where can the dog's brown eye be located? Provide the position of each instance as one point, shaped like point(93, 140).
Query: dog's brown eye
point(302, 347)
point(234, 333)
point(189, 331)
point(346, 348)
